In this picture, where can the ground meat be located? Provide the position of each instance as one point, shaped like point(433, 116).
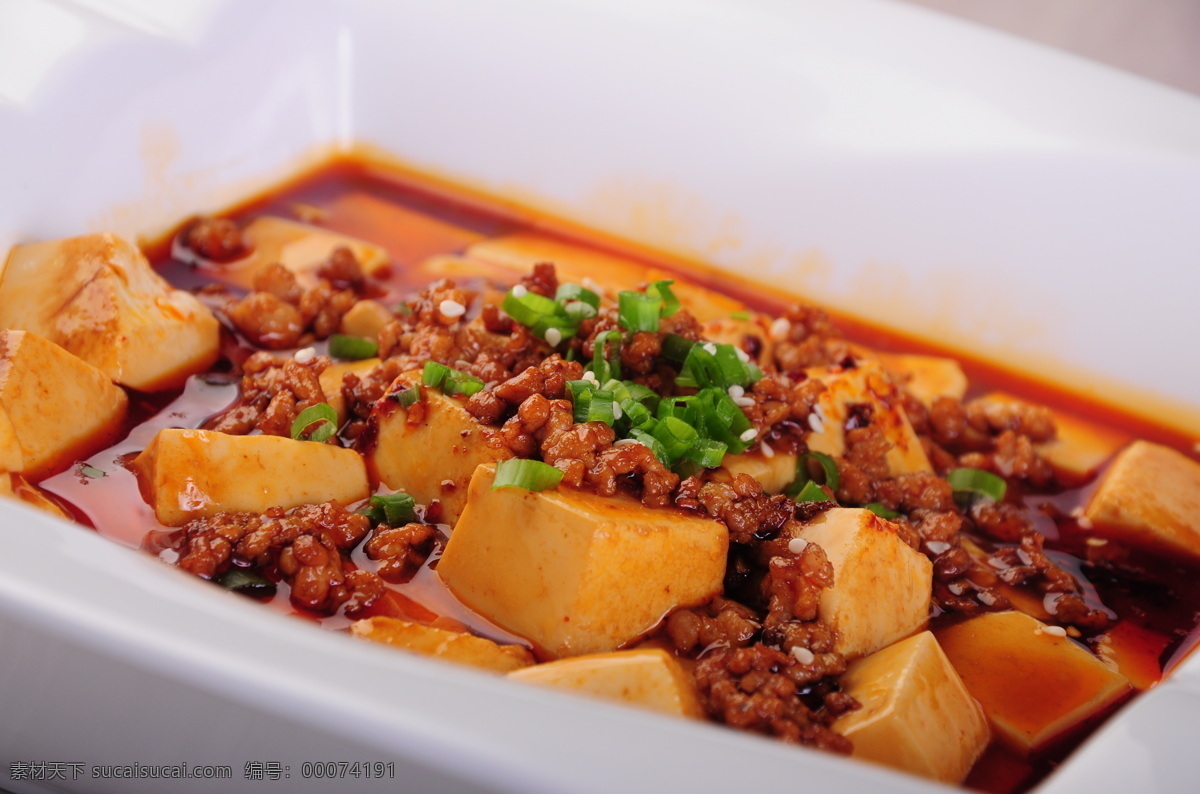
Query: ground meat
point(215, 239)
point(742, 506)
point(809, 339)
point(280, 282)
point(323, 307)
point(306, 544)
point(400, 551)
point(755, 688)
point(342, 270)
point(722, 623)
point(266, 320)
point(640, 353)
point(638, 463)
point(273, 392)
point(1027, 563)
point(543, 280)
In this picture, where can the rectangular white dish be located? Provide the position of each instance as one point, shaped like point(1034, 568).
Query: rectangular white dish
point(852, 151)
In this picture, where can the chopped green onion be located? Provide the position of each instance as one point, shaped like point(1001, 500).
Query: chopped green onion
point(649, 441)
point(578, 310)
point(352, 348)
point(740, 316)
point(811, 492)
point(408, 397)
point(970, 483)
point(676, 436)
point(529, 308)
point(662, 291)
point(829, 470)
point(90, 471)
point(315, 423)
point(449, 380)
point(573, 292)
point(532, 475)
point(676, 348)
point(711, 364)
point(601, 408)
point(637, 311)
point(402, 309)
point(706, 452)
point(881, 510)
point(398, 508)
point(374, 514)
point(606, 368)
point(247, 582)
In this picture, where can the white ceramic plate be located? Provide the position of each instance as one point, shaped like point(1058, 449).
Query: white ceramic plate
point(951, 182)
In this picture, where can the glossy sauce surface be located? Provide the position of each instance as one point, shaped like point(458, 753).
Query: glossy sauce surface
point(1156, 600)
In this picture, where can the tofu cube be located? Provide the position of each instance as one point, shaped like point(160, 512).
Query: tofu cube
point(366, 319)
point(331, 382)
point(186, 474)
point(866, 384)
point(927, 377)
point(775, 472)
point(401, 455)
point(1150, 497)
point(646, 678)
point(1079, 448)
point(98, 297)
point(576, 573)
point(300, 247)
point(916, 714)
point(54, 407)
point(881, 587)
point(452, 646)
point(1033, 682)
point(522, 250)
point(15, 487)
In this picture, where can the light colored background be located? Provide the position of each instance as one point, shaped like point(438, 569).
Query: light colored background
point(1158, 39)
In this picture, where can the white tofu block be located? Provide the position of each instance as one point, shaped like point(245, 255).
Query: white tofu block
point(775, 472)
point(927, 377)
point(54, 407)
point(646, 678)
point(299, 247)
point(581, 573)
point(451, 646)
point(1150, 497)
point(881, 587)
point(1033, 682)
point(916, 714)
point(186, 474)
point(432, 458)
point(366, 319)
point(520, 251)
point(98, 297)
point(867, 384)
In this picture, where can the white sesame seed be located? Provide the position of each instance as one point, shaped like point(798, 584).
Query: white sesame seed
point(749, 435)
point(803, 655)
point(938, 546)
point(815, 423)
point(1057, 631)
point(519, 291)
point(451, 308)
point(1084, 522)
point(591, 376)
point(743, 355)
point(956, 588)
point(766, 450)
point(1024, 557)
point(986, 598)
point(1077, 512)
point(797, 545)
point(305, 355)
point(780, 329)
point(736, 391)
point(711, 348)
point(1097, 541)
point(744, 402)
point(625, 442)
point(553, 337)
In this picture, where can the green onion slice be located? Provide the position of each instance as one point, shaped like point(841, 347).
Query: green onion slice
point(881, 510)
point(532, 475)
point(662, 291)
point(449, 380)
point(637, 311)
point(398, 508)
point(811, 492)
point(829, 470)
point(315, 423)
point(529, 308)
point(352, 348)
point(969, 483)
point(740, 316)
point(676, 348)
point(409, 396)
point(573, 292)
point(604, 368)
